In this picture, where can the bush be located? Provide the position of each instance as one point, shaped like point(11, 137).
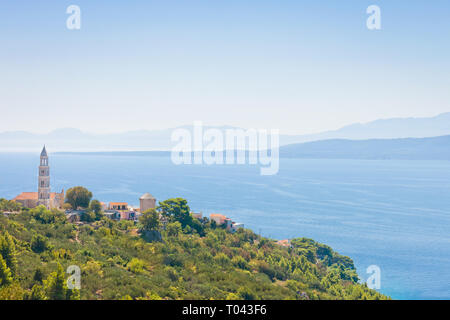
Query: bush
point(240, 262)
point(136, 266)
point(173, 261)
point(174, 229)
point(39, 243)
point(222, 259)
point(246, 294)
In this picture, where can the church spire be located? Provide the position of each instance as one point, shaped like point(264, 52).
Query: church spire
point(44, 180)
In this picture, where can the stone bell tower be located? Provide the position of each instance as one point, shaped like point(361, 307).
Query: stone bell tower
point(44, 181)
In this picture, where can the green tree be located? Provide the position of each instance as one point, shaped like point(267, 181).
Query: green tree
point(9, 205)
point(136, 265)
point(246, 294)
point(78, 197)
point(74, 294)
point(176, 209)
point(8, 252)
point(39, 243)
point(38, 293)
point(173, 229)
point(12, 292)
point(56, 285)
point(5, 273)
point(38, 275)
point(41, 214)
point(88, 216)
point(240, 262)
point(149, 220)
point(96, 207)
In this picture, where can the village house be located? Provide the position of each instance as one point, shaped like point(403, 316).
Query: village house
point(119, 206)
point(122, 211)
point(284, 243)
point(112, 214)
point(198, 216)
point(128, 215)
point(73, 217)
point(220, 220)
point(236, 225)
point(104, 206)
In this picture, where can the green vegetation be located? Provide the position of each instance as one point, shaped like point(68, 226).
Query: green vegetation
point(190, 259)
point(150, 220)
point(78, 197)
point(9, 206)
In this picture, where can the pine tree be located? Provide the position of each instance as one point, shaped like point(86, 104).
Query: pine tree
point(56, 285)
point(73, 294)
point(5, 273)
point(38, 276)
point(37, 293)
point(8, 252)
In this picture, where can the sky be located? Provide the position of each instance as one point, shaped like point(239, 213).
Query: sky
point(297, 66)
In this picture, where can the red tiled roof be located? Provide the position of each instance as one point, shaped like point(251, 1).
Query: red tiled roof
point(32, 196)
point(27, 196)
point(217, 215)
point(219, 218)
point(284, 243)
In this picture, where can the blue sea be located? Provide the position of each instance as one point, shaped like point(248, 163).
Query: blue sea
point(393, 214)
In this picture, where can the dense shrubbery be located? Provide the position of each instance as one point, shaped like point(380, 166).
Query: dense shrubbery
point(9, 206)
point(194, 260)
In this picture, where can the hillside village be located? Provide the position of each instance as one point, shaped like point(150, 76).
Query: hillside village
point(113, 210)
point(154, 252)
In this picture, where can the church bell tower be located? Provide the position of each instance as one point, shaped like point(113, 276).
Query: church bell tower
point(44, 180)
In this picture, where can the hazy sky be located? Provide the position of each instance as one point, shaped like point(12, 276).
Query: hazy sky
point(300, 66)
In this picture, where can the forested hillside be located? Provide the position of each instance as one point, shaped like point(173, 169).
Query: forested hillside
point(191, 260)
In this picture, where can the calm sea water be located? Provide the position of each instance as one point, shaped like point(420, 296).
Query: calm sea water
point(394, 214)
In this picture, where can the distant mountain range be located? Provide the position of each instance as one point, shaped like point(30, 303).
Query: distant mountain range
point(386, 129)
point(146, 140)
point(436, 148)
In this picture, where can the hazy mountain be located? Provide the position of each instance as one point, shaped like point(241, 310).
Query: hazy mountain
point(384, 129)
point(436, 148)
point(69, 139)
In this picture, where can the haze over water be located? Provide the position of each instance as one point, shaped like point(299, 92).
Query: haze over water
point(394, 214)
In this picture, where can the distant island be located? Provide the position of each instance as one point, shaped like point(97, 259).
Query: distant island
point(434, 148)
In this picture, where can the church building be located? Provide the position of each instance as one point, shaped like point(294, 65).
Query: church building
point(43, 196)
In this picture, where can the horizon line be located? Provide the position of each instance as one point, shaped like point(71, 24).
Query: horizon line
point(216, 126)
